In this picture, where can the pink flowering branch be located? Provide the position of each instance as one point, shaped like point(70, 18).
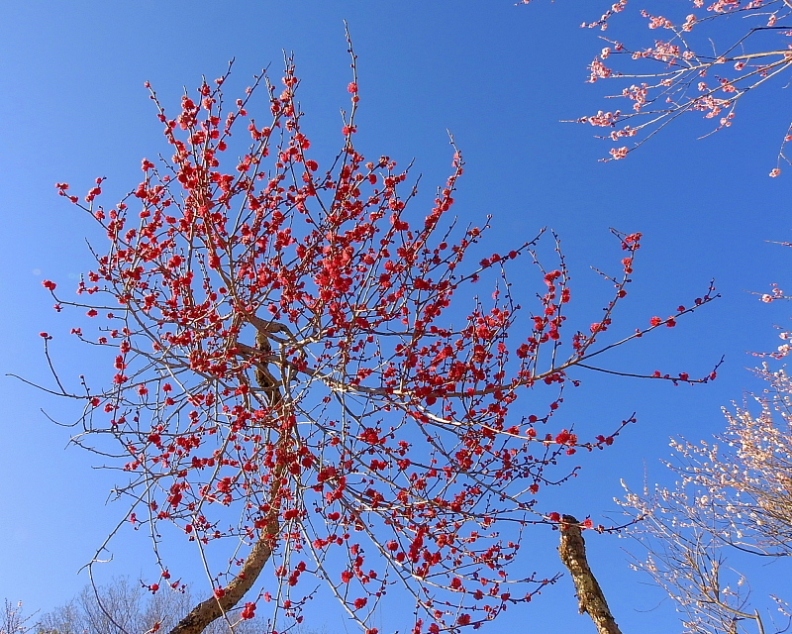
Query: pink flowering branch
point(695, 64)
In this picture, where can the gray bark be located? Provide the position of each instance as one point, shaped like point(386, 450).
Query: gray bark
point(591, 599)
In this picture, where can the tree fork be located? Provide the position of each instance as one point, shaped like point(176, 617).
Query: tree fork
point(590, 596)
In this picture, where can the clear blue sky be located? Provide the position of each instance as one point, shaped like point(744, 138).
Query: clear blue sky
point(500, 78)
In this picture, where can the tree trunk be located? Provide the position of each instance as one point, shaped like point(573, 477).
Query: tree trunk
point(214, 607)
point(590, 597)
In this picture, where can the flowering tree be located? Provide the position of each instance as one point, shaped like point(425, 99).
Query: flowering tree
point(699, 62)
point(295, 383)
point(732, 502)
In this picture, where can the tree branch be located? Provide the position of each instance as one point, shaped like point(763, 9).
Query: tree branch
point(590, 596)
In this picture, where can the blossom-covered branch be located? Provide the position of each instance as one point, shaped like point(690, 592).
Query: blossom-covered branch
point(697, 62)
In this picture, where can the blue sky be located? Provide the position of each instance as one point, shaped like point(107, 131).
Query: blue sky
point(500, 78)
